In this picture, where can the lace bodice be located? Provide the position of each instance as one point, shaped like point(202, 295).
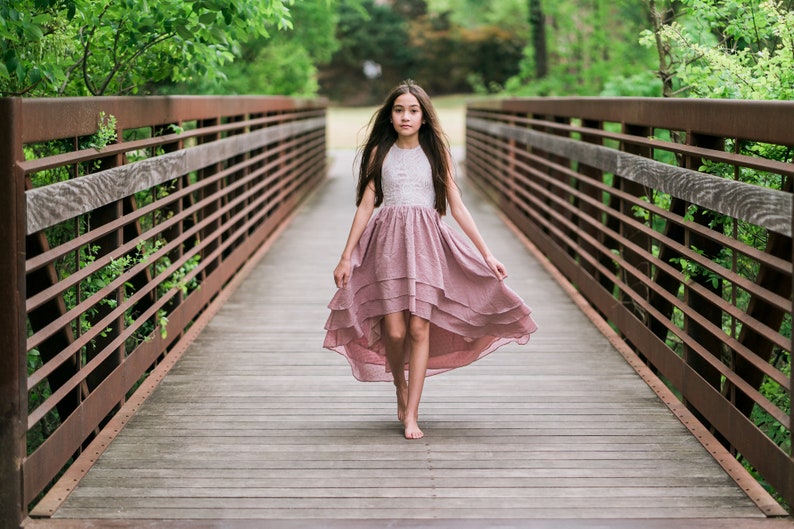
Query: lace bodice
point(407, 178)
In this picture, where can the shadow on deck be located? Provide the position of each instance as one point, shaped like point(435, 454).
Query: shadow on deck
point(257, 425)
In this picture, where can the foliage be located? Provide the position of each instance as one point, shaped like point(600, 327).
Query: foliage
point(643, 84)
point(368, 33)
point(509, 15)
point(477, 59)
point(106, 132)
point(280, 68)
point(423, 41)
point(731, 49)
point(85, 47)
point(284, 63)
point(591, 46)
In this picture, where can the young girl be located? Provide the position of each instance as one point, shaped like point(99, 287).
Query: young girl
point(413, 295)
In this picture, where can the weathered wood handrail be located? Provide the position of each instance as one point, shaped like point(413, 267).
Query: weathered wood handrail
point(112, 248)
point(641, 205)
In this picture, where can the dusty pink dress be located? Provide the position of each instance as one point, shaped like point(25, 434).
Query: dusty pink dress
point(409, 259)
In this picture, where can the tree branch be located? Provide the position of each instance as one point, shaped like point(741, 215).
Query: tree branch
point(119, 66)
point(87, 49)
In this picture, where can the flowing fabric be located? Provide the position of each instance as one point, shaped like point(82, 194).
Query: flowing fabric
point(408, 259)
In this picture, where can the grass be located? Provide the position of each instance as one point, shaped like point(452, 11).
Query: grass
point(347, 126)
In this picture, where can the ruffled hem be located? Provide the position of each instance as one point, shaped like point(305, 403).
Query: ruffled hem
point(408, 260)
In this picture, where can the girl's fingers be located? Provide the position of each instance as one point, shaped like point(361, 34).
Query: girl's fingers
point(498, 269)
point(340, 278)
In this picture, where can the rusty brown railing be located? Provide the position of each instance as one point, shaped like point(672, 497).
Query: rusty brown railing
point(121, 221)
point(673, 218)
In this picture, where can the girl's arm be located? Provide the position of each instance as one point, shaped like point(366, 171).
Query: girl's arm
point(360, 220)
point(464, 219)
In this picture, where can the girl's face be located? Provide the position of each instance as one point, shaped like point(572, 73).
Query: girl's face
point(406, 116)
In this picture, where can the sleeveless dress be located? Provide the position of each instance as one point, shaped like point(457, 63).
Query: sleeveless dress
point(409, 259)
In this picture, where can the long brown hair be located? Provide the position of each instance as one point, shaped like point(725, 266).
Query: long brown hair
point(382, 136)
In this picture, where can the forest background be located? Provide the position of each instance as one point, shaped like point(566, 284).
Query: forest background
point(353, 51)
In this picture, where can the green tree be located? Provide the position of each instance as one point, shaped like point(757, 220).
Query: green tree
point(368, 33)
point(538, 24)
point(741, 49)
point(591, 47)
point(89, 47)
point(509, 15)
point(447, 46)
point(284, 63)
point(467, 45)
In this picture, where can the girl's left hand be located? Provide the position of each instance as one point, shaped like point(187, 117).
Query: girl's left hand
point(496, 267)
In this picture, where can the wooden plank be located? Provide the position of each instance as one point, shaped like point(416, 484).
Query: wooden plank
point(407, 510)
point(258, 422)
point(445, 523)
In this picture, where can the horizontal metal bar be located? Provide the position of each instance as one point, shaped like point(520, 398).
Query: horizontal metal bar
point(77, 116)
point(52, 204)
point(123, 147)
point(36, 377)
point(769, 334)
point(85, 239)
point(533, 202)
point(760, 164)
point(764, 121)
point(255, 206)
point(40, 260)
point(764, 207)
point(772, 297)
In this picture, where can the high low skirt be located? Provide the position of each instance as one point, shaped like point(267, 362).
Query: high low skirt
point(408, 259)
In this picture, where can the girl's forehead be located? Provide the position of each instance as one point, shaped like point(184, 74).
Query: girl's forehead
point(406, 100)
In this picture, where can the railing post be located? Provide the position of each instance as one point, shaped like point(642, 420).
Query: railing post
point(13, 362)
point(790, 497)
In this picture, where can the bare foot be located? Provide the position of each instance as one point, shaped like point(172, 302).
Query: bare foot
point(412, 430)
point(402, 400)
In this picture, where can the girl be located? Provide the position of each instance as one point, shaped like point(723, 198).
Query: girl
point(412, 294)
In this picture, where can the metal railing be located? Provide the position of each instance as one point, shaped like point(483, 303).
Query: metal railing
point(673, 218)
point(121, 220)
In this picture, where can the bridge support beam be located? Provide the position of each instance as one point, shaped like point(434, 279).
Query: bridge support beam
point(13, 369)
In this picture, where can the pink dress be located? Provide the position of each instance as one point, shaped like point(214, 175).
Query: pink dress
point(409, 259)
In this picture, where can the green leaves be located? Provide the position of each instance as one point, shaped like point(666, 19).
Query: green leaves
point(90, 47)
point(740, 49)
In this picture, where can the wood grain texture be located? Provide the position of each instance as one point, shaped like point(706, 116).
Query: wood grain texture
point(768, 208)
point(49, 205)
point(258, 422)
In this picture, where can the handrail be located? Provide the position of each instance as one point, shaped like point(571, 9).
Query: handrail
point(643, 206)
point(111, 252)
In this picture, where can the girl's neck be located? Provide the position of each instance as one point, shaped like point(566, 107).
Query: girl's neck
point(407, 144)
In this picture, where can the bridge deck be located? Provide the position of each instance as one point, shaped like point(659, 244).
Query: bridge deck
point(258, 422)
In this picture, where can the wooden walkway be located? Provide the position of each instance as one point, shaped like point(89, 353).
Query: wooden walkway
point(258, 426)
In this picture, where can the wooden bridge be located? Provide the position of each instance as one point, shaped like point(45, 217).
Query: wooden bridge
point(245, 421)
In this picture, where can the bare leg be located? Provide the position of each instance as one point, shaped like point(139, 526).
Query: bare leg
point(394, 330)
point(419, 329)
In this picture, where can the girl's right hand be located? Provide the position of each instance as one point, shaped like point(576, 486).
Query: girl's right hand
point(342, 273)
point(496, 267)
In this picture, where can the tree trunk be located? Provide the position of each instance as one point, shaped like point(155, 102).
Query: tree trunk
point(660, 18)
point(537, 24)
